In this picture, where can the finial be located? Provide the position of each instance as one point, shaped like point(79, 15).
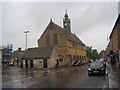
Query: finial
point(66, 10)
point(51, 20)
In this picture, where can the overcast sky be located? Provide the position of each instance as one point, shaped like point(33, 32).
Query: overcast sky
point(90, 21)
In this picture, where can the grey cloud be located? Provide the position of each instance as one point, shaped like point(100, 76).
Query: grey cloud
point(34, 16)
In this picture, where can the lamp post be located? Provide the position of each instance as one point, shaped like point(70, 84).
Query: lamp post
point(26, 37)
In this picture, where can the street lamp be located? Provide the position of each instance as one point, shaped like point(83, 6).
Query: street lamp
point(26, 37)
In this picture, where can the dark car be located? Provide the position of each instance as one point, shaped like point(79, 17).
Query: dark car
point(79, 63)
point(102, 62)
point(96, 67)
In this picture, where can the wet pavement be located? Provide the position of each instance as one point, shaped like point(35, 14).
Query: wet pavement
point(113, 76)
point(0, 77)
point(14, 77)
point(71, 77)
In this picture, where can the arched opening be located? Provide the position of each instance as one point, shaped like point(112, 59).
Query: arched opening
point(74, 58)
point(77, 58)
point(80, 58)
point(61, 60)
point(69, 60)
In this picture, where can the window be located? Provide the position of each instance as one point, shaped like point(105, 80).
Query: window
point(40, 61)
point(55, 39)
point(47, 40)
point(60, 59)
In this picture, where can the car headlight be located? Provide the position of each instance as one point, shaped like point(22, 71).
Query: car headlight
point(102, 68)
point(89, 68)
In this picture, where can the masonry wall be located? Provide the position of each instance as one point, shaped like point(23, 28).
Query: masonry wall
point(53, 59)
point(65, 49)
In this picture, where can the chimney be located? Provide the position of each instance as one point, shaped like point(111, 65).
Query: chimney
point(19, 49)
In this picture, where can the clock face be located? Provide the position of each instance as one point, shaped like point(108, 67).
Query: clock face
point(65, 24)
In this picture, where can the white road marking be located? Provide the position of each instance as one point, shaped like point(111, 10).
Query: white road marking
point(28, 77)
point(16, 80)
point(21, 76)
point(38, 75)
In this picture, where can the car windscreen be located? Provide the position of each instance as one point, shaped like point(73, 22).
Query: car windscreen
point(95, 64)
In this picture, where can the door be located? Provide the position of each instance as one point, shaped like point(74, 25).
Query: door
point(21, 64)
point(31, 63)
point(45, 63)
point(26, 63)
point(17, 62)
point(57, 64)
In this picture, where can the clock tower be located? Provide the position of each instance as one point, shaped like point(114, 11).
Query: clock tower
point(66, 22)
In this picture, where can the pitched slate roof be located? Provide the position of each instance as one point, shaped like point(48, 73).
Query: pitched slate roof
point(74, 38)
point(69, 35)
point(38, 53)
point(15, 54)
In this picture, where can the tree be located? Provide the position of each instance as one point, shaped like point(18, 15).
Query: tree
point(101, 54)
point(92, 53)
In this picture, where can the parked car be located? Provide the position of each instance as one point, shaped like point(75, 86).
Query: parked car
point(79, 63)
point(96, 67)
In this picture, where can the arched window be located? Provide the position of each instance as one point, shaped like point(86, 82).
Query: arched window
point(60, 59)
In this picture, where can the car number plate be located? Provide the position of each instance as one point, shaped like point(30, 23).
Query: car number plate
point(95, 71)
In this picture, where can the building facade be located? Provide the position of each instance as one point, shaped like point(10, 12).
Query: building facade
point(113, 48)
point(40, 58)
point(68, 46)
point(0, 56)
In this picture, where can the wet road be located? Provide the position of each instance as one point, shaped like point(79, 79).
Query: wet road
point(71, 77)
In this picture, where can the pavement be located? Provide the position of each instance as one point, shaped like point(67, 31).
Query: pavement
point(0, 77)
point(113, 74)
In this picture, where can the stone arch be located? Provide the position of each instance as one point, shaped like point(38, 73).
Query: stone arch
point(61, 60)
point(84, 57)
point(61, 56)
point(74, 58)
point(77, 58)
point(69, 60)
point(80, 58)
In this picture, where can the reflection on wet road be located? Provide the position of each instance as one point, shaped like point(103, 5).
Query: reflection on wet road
point(14, 77)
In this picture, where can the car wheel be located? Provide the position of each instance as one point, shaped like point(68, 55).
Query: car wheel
point(104, 73)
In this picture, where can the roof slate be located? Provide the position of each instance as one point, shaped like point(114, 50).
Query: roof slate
point(38, 52)
point(69, 36)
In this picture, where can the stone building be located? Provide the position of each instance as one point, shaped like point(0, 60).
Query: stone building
point(0, 54)
point(64, 47)
point(40, 58)
point(113, 48)
point(16, 56)
point(69, 47)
